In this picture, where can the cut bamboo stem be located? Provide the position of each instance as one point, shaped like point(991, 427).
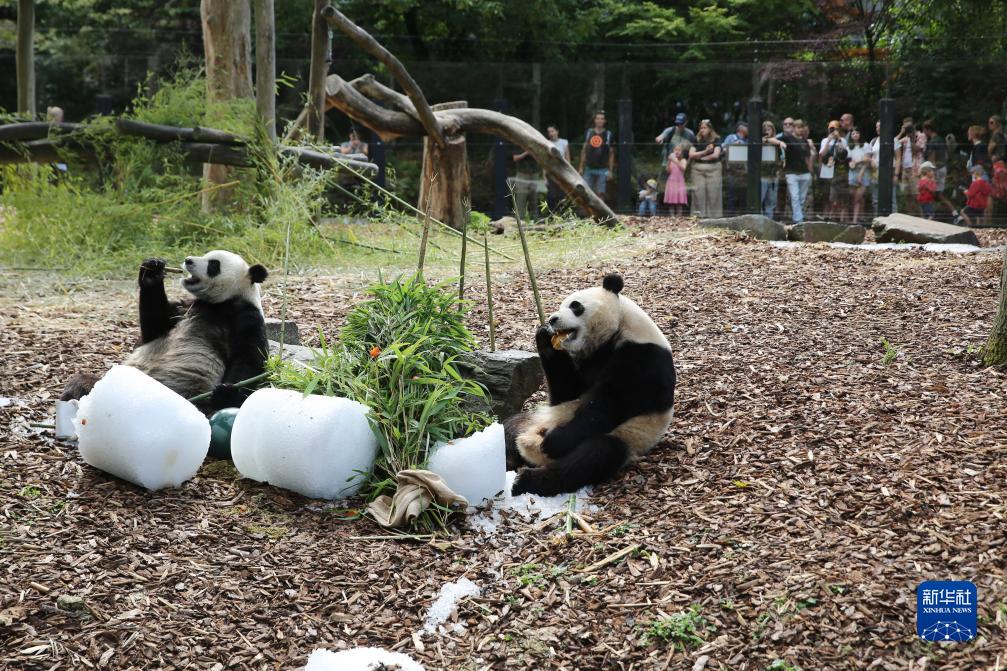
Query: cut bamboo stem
point(612, 558)
point(423, 240)
point(531, 271)
point(489, 294)
point(244, 383)
point(461, 264)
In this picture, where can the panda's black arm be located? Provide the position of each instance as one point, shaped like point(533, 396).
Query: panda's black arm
point(249, 350)
point(156, 312)
point(639, 379)
point(562, 378)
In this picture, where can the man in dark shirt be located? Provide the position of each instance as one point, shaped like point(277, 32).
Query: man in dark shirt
point(796, 166)
point(597, 155)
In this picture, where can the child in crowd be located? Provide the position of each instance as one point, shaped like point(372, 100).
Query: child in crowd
point(648, 199)
point(977, 196)
point(675, 195)
point(926, 189)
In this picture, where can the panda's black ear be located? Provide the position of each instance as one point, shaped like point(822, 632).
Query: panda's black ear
point(612, 282)
point(258, 274)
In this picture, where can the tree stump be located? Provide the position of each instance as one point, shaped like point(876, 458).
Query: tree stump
point(444, 180)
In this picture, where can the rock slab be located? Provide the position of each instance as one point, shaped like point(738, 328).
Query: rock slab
point(758, 226)
point(510, 377)
point(905, 228)
point(828, 231)
point(300, 353)
point(291, 334)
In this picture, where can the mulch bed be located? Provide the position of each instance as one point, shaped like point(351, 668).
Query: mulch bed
point(805, 489)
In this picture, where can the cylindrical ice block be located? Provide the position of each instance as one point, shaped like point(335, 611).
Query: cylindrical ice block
point(475, 467)
point(135, 428)
point(319, 446)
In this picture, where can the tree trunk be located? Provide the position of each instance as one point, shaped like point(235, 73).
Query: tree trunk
point(26, 56)
point(265, 65)
point(321, 46)
point(444, 182)
point(995, 351)
point(227, 43)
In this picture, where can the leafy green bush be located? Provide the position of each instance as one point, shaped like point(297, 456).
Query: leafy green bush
point(397, 355)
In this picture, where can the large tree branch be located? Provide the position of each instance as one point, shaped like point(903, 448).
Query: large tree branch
point(363, 40)
point(375, 90)
point(390, 124)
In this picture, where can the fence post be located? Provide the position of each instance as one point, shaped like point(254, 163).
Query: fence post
point(624, 155)
point(500, 158)
point(886, 158)
point(377, 148)
point(754, 156)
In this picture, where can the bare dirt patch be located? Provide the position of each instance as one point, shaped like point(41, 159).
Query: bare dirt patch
point(806, 487)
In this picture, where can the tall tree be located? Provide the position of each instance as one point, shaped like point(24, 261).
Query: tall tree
point(26, 56)
point(321, 46)
point(265, 65)
point(227, 44)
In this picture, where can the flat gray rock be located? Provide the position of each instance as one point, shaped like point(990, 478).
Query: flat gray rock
point(510, 377)
point(291, 335)
point(758, 226)
point(905, 228)
point(828, 231)
point(292, 352)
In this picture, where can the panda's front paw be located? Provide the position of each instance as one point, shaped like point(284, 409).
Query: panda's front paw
point(525, 482)
point(152, 272)
point(227, 396)
point(543, 341)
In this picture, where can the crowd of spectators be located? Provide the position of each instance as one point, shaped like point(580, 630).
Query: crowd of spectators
point(834, 178)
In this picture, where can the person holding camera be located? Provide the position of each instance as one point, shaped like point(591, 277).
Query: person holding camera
point(829, 155)
point(910, 145)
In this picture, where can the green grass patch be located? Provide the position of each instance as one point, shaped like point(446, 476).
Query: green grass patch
point(683, 631)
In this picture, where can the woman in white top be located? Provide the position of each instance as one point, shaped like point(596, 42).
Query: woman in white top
point(554, 194)
point(860, 171)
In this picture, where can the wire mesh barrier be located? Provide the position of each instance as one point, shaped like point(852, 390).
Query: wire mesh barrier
point(641, 101)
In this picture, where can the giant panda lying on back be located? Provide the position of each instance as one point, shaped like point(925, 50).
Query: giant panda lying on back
point(611, 383)
point(198, 345)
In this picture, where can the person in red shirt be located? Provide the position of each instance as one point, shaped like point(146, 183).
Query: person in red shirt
point(926, 190)
point(977, 196)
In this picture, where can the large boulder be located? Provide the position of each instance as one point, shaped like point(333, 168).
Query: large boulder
point(758, 226)
point(510, 376)
point(827, 231)
point(904, 228)
point(291, 336)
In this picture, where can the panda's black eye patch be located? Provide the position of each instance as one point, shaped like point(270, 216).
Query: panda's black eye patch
point(212, 267)
point(576, 308)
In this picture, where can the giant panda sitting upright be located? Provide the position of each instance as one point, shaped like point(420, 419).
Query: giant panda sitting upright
point(611, 381)
point(203, 344)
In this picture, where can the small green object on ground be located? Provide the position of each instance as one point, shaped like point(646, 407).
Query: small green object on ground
point(221, 424)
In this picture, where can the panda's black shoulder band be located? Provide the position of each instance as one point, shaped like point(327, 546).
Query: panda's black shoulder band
point(612, 282)
point(258, 273)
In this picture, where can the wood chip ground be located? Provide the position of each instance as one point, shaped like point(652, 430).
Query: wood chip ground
point(806, 487)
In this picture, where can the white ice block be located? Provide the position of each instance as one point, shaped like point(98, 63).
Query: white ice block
point(360, 659)
point(475, 467)
point(135, 428)
point(319, 446)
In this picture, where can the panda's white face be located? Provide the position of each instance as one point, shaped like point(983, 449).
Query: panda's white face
point(587, 319)
point(220, 275)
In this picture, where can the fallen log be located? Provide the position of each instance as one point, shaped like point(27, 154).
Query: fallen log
point(161, 133)
point(34, 130)
point(389, 124)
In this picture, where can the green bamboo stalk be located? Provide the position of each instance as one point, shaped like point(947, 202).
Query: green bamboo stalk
point(489, 295)
point(244, 383)
point(531, 271)
point(426, 235)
